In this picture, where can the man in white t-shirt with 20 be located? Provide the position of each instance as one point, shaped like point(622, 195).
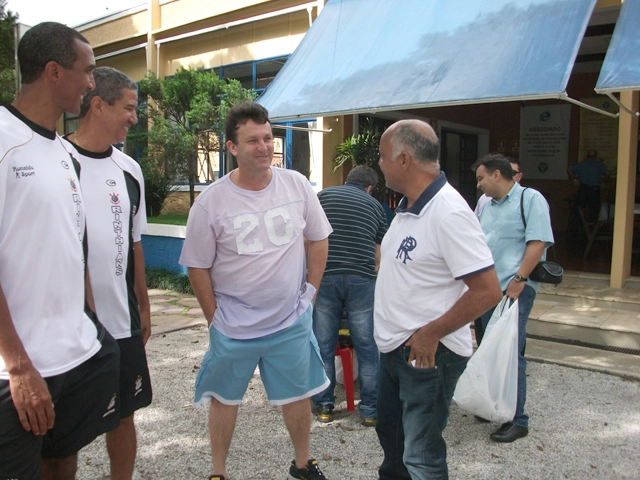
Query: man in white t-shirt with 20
point(245, 251)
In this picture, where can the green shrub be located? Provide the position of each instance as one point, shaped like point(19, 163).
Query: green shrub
point(169, 219)
point(167, 280)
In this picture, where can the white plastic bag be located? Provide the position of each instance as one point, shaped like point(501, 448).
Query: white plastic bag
point(488, 387)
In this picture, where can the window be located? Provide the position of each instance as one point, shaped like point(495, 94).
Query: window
point(256, 74)
point(266, 70)
point(242, 72)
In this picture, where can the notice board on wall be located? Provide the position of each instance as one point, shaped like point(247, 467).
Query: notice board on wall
point(544, 141)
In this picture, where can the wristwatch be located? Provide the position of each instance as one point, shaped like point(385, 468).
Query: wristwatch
point(519, 278)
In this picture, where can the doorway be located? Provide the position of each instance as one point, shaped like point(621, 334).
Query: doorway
point(459, 153)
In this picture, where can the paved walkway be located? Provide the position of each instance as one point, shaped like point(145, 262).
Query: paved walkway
point(585, 308)
point(582, 308)
point(172, 311)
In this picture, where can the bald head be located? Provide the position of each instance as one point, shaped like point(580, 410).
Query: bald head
point(415, 137)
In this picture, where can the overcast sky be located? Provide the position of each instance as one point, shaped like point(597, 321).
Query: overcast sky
point(69, 12)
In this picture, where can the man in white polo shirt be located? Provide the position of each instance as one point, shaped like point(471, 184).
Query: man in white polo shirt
point(113, 189)
point(436, 275)
point(58, 368)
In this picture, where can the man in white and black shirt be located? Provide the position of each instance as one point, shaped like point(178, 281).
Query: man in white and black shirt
point(113, 189)
point(58, 364)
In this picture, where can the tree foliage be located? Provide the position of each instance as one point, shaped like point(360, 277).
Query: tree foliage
point(7, 51)
point(185, 115)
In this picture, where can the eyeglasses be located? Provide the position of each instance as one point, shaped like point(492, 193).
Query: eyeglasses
point(514, 173)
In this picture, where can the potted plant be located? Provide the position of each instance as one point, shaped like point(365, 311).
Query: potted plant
point(363, 149)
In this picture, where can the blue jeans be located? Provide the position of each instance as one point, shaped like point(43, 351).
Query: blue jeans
point(525, 303)
point(354, 295)
point(413, 409)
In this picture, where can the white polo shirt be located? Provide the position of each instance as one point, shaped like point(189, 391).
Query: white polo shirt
point(42, 225)
point(426, 253)
point(113, 189)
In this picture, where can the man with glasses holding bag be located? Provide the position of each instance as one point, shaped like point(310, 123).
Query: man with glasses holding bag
point(482, 202)
point(517, 246)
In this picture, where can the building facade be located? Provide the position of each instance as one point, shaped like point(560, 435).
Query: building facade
point(251, 40)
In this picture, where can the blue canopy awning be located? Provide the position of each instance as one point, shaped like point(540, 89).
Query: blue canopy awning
point(621, 68)
point(363, 56)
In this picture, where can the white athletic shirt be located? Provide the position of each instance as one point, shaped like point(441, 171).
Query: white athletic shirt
point(253, 244)
point(427, 251)
point(41, 253)
point(113, 191)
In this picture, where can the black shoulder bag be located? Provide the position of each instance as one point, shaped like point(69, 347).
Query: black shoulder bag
point(544, 272)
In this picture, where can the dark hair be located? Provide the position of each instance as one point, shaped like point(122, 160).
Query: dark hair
point(514, 161)
point(363, 175)
point(424, 148)
point(109, 85)
point(44, 43)
point(240, 114)
point(495, 161)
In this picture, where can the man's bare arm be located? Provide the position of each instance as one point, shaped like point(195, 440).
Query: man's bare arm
point(317, 253)
point(140, 289)
point(483, 293)
point(88, 290)
point(29, 391)
point(201, 284)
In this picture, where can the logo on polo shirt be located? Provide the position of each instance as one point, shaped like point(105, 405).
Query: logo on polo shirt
point(24, 171)
point(407, 245)
point(72, 183)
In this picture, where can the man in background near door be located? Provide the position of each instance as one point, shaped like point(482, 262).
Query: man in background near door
point(516, 250)
point(591, 172)
point(116, 218)
point(482, 202)
point(58, 365)
point(349, 280)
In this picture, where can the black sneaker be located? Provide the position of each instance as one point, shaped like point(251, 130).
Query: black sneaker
point(325, 413)
point(311, 472)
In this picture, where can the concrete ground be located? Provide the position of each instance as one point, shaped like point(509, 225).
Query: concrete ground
point(582, 308)
point(584, 405)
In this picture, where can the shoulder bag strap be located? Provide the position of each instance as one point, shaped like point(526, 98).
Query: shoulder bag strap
point(524, 220)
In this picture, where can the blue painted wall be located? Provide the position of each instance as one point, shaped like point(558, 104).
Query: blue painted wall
point(163, 251)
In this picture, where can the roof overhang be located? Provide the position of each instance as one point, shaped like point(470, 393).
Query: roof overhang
point(621, 68)
point(357, 58)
